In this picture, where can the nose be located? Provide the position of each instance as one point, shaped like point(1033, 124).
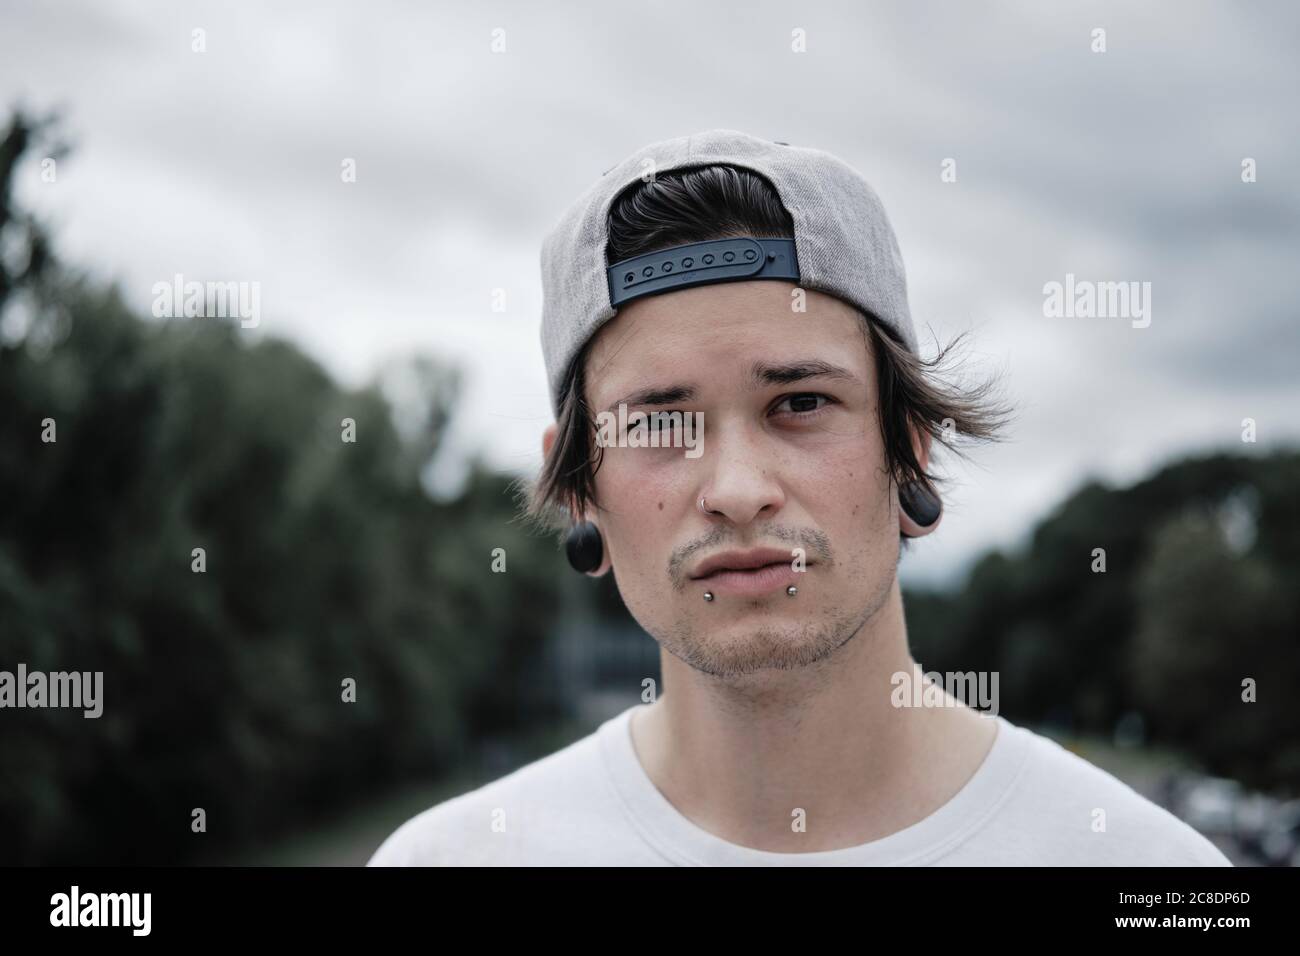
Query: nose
point(742, 478)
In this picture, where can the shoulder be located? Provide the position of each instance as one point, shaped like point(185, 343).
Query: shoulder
point(526, 816)
point(1079, 814)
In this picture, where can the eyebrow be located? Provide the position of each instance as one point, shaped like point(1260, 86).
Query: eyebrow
point(760, 374)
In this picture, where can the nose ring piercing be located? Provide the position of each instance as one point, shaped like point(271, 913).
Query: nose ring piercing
point(704, 507)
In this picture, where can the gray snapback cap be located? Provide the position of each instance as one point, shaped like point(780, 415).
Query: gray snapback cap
point(842, 237)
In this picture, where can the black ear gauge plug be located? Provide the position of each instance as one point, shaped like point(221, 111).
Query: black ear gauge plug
point(920, 503)
point(584, 547)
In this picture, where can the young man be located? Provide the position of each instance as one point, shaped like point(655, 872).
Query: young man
point(756, 288)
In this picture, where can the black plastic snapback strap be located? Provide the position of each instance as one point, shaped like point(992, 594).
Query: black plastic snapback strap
point(701, 263)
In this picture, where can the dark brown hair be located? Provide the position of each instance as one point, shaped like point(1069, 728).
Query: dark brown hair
point(713, 202)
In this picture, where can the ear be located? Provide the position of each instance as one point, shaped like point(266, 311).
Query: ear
point(548, 442)
point(606, 563)
point(916, 496)
point(921, 446)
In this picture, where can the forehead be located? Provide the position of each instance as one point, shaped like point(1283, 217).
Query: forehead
point(716, 334)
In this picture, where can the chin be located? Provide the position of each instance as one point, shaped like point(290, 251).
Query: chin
point(746, 649)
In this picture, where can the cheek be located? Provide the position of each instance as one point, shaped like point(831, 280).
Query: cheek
point(846, 485)
point(847, 498)
point(640, 504)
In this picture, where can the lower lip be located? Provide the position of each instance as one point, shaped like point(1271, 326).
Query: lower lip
point(752, 583)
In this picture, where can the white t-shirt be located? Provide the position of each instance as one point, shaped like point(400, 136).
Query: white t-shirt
point(1030, 803)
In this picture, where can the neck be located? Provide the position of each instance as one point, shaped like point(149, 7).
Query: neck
point(740, 757)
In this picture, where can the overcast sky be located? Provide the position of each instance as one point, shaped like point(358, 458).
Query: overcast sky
point(1123, 165)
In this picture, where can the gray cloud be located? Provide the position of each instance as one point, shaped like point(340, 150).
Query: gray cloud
point(1115, 166)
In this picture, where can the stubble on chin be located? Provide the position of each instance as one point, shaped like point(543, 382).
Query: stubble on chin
point(732, 651)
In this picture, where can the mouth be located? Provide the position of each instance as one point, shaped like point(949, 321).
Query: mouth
point(751, 582)
point(748, 574)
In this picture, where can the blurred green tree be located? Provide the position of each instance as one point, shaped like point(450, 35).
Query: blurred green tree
point(1201, 591)
point(325, 560)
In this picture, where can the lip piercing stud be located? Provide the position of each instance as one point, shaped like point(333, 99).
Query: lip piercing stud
point(791, 590)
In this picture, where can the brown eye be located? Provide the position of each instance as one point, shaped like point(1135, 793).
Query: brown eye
point(804, 404)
